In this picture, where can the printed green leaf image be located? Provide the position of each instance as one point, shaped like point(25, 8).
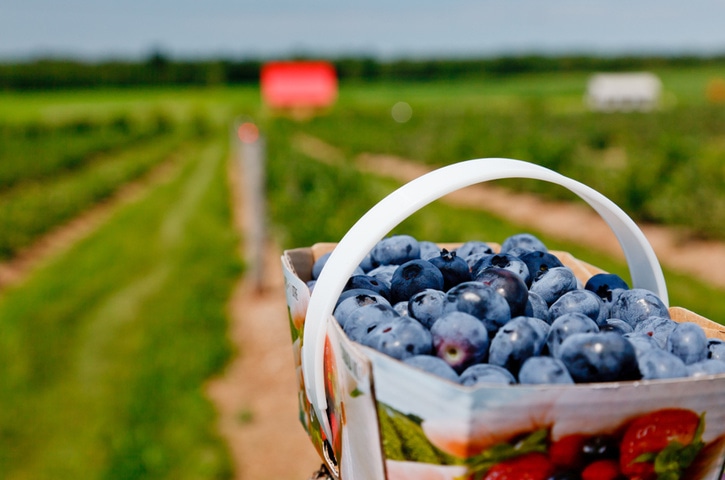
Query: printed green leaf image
point(403, 439)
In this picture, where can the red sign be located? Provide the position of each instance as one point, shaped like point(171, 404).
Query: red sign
point(298, 84)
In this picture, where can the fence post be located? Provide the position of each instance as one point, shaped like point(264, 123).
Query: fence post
point(251, 153)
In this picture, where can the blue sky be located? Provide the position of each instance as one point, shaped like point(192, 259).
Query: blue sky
point(403, 28)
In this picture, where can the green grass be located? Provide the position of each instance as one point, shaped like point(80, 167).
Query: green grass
point(105, 351)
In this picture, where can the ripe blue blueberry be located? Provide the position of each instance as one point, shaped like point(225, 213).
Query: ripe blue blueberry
point(706, 367)
point(501, 260)
point(428, 249)
point(599, 357)
point(603, 284)
point(637, 304)
point(657, 364)
point(565, 326)
point(553, 283)
point(400, 338)
point(514, 343)
point(364, 319)
point(641, 342)
point(527, 241)
point(481, 301)
point(460, 339)
point(656, 327)
point(383, 273)
point(473, 247)
point(507, 284)
point(537, 307)
point(427, 306)
point(580, 301)
point(688, 341)
point(395, 250)
point(351, 300)
point(434, 365)
point(318, 264)
point(485, 373)
point(454, 269)
point(367, 282)
point(538, 262)
point(715, 349)
point(616, 325)
point(412, 277)
point(543, 370)
point(402, 309)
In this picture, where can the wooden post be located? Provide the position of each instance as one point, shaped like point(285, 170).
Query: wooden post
point(251, 157)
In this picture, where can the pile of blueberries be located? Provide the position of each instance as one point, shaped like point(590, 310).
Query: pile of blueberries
point(472, 315)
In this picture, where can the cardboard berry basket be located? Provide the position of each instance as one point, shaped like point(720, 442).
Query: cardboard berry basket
point(373, 417)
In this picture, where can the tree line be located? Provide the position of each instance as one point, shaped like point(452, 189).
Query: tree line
point(158, 69)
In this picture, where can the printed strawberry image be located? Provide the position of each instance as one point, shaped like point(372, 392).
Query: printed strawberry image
point(661, 445)
point(531, 466)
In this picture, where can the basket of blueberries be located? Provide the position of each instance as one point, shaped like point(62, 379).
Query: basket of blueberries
point(499, 359)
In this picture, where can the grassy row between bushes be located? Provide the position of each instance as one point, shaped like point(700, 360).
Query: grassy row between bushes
point(104, 351)
point(35, 207)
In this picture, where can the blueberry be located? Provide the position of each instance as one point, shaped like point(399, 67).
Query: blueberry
point(507, 284)
point(603, 284)
point(351, 300)
point(637, 304)
point(537, 307)
point(460, 339)
point(481, 301)
point(544, 370)
point(383, 273)
point(427, 306)
point(553, 283)
point(366, 264)
point(514, 343)
point(688, 341)
point(318, 264)
point(504, 261)
point(706, 367)
point(322, 260)
point(565, 326)
point(395, 250)
point(526, 241)
point(473, 247)
point(367, 282)
point(412, 277)
point(641, 342)
point(599, 357)
point(538, 262)
point(656, 327)
point(454, 269)
point(579, 301)
point(616, 325)
point(715, 349)
point(402, 309)
point(658, 364)
point(428, 249)
point(311, 285)
point(434, 365)
point(484, 373)
point(400, 338)
point(364, 319)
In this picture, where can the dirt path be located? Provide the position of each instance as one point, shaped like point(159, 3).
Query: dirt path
point(256, 395)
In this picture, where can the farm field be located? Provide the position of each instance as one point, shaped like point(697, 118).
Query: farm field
point(107, 344)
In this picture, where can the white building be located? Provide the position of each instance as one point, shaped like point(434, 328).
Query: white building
point(623, 92)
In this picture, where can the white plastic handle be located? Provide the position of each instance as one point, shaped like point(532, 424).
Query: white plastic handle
point(644, 267)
